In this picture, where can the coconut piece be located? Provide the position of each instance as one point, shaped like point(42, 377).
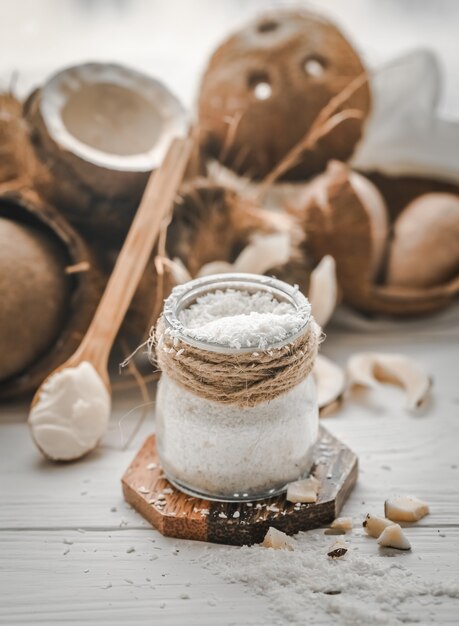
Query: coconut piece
point(98, 130)
point(323, 290)
point(81, 294)
point(405, 509)
point(338, 223)
point(277, 540)
point(266, 85)
point(342, 523)
point(346, 217)
point(330, 381)
point(375, 525)
point(425, 247)
point(394, 537)
point(303, 490)
point(371, 198)
point(338, 549)
point(368, 369)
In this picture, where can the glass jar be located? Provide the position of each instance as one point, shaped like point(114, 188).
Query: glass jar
point(228, 452)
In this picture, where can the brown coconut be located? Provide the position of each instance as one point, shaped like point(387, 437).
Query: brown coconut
point(50, 289)
point(338, 222)
point(265, 86)
point(97, 132)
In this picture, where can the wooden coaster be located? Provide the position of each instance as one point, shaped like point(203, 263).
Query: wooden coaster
point(176, 514)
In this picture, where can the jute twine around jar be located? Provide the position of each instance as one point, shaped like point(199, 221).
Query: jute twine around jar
point(244, 379)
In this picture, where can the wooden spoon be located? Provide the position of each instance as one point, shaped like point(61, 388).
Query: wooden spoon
point(131, 263)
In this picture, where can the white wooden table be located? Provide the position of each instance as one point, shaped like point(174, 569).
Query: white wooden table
point(66, 536)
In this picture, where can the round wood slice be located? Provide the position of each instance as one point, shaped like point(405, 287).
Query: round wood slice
point(176, 514)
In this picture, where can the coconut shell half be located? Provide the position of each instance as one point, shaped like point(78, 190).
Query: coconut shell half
point(266, 85)
point(81, 289)
point(97, 131)
point(337, 223)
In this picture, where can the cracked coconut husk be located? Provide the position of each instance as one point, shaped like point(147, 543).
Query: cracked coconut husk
point(214, 223)
point(15, 150)
point(265, 86)
point(209, 223)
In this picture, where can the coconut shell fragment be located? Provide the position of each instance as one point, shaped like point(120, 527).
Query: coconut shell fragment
point(265, 86)
point(76, 294)
point(338, 222)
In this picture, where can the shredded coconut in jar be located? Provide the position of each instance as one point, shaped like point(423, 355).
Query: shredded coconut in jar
point(237, 422)
point(239, 319)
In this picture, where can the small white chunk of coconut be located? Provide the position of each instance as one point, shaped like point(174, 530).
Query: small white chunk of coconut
point(369, 369)
point(405, 509)
point(394, 537)
point(277, 540)
point(338, 549)
point(303, 490)
point(323, 290)
point(375, 525)
point(342, 523)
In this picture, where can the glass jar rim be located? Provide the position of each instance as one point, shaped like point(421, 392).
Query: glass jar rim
point(186, 294)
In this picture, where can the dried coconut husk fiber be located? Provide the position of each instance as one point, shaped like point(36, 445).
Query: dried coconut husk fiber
point(15, 149)
point(242, 379)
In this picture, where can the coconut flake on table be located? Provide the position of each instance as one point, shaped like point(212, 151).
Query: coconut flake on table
point(239, 319)
point(304, 586)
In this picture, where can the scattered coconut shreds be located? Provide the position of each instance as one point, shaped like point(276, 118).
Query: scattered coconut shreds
point(342, 523)
point(394, 537)
point(368, 369)
point(223, 515)
point(168, 490)
point(303, 490)
point(338, 549)
point(405, 509)
point(152, 466)
point(143, 490)
point(277, 540)
point(375, 525)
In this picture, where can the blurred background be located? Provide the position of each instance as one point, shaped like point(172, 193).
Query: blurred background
point(171, 39)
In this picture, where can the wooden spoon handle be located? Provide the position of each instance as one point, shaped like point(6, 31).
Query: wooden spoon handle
point(131, 263)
